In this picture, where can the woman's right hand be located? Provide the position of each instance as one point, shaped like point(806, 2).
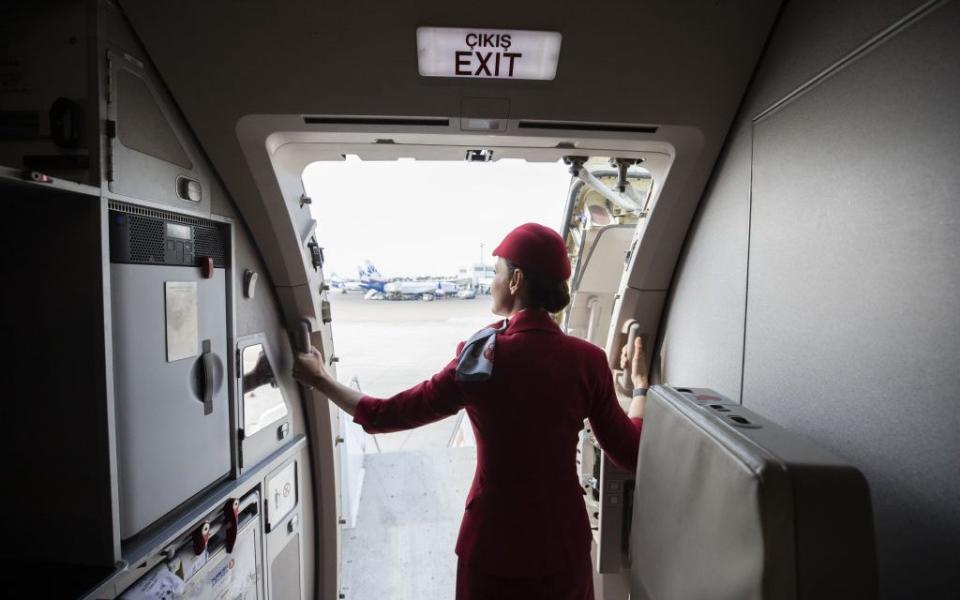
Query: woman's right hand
point(308, 368)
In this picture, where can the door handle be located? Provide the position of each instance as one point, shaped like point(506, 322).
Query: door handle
point(303, 336)
point(631, 329)
point(208, 362)
point(301, 340)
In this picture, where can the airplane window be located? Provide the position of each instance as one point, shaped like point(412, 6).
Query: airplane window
point(262, 400)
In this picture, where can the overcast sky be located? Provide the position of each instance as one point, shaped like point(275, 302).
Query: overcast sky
point(427, 217)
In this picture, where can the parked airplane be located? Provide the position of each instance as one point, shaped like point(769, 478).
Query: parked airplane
point(764, 191)
point(370, 277)
point(427, 289)
point(345, 285)
point(402, 289)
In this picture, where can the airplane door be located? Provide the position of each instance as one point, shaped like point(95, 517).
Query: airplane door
point(352, 445)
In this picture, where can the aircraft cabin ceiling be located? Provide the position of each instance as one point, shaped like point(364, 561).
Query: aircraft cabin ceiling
point(658, 63)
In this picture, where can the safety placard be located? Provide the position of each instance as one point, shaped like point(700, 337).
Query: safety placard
point(183, 337)
point(487, 53)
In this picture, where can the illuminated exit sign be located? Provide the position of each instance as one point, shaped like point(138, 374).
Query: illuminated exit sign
point(487, 53)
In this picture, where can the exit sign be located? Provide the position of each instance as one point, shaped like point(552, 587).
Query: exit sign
point(487, 53)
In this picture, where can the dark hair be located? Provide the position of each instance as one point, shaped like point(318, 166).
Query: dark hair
point(543, 292)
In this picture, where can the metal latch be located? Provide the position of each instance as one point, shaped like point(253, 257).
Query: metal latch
point(231, 518)
point(316, 255)
point(325, 314)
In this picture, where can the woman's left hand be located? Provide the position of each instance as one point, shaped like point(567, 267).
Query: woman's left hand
point(638, 364)
point(636, 361)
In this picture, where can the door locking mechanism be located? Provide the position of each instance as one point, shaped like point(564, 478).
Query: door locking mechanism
point(316, 255)
point(325, 314)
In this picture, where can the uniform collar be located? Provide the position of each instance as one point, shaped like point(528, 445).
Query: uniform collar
point(531, 319)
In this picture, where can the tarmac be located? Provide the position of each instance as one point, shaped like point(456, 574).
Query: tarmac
point(402, 546)
point(392, 345)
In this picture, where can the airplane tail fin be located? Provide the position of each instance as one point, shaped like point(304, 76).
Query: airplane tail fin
point(367, 270)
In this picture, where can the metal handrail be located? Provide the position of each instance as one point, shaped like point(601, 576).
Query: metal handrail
point(355, 384)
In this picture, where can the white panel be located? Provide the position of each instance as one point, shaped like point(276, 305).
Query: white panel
point(604, 265)
point(281, 494)
point(352, 451)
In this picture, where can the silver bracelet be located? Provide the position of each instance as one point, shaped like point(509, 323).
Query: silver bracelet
point(640, 391)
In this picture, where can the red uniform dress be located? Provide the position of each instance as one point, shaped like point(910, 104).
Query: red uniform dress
point(525, 531)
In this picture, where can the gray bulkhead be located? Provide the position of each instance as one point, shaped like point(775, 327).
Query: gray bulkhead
point(119, 480)
point(819, 284)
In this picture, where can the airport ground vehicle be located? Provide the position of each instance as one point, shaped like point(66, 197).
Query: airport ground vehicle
point(798, 256)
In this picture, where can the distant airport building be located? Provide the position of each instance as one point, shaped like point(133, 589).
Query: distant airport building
point(478, 276)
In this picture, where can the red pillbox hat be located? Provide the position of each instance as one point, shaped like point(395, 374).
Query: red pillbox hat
point(537, 248)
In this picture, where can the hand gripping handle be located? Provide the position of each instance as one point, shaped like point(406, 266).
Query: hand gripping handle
point(302, 336)
point(301, 340)
point(632, 329)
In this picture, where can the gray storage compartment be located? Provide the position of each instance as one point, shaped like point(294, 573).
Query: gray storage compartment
point(729, 505)
point(170, 365)
point(284, 552)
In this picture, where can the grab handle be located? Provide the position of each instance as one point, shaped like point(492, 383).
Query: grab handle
point(301, 341)
point(632, 329)
point(303, 336)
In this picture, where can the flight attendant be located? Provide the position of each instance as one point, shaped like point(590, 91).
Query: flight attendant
point(527, 388)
